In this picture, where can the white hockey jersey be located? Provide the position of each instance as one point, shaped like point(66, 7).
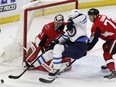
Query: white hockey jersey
point(79, 30)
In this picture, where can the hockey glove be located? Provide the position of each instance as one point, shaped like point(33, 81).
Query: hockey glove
point(43, 41)
point(70, 25)
point(52, 44)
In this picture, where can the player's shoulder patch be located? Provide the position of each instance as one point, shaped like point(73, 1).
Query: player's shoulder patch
point(47, 27)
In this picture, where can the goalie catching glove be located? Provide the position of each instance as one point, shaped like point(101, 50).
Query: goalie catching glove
point(35, 49)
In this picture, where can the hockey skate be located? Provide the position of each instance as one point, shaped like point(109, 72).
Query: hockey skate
point(104, 67)
point(55, 73)
point(111, 76)
point(51, 76)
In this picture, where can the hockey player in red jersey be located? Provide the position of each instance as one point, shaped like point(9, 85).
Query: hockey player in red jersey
point(50, 32)
point(104, 28)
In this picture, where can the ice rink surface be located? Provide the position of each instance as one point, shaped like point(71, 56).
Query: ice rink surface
point(85, 72)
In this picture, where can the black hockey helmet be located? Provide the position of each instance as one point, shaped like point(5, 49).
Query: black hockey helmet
point(93, 11)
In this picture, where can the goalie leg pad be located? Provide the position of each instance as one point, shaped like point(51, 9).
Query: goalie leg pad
point(31, 49)
point(34, 52)
point(65, 62)
point(45, 67)
point(44, 58)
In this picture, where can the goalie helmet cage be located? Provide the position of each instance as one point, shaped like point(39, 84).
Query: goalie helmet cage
point(40, 7)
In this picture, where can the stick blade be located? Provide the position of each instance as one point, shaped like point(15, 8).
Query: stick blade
point(13, 77)
point(46, 80)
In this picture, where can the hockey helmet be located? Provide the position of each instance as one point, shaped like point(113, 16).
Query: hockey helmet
point(93, 11)
point(73, 13)
point(59, 18)
point(58, 21)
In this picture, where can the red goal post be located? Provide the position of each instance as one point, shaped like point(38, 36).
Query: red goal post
point(44, 6)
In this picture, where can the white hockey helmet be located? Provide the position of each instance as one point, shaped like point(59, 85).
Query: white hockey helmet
point(73, 13)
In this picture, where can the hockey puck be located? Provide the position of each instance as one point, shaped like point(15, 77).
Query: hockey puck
point(2, 81)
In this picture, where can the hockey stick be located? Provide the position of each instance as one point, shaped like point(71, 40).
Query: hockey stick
point(51, 80)
point(16, 77)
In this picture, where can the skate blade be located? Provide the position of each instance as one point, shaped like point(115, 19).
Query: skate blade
point(53, 77)
point(107, 79)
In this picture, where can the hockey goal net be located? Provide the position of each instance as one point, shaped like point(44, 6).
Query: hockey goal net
point(32, 18)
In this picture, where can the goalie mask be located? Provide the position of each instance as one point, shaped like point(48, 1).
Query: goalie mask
point(58, 22)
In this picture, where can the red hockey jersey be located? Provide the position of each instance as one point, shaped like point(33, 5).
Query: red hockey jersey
point(51, 33)
point(107, 27)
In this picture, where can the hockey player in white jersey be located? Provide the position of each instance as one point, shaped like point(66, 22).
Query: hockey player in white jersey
point(71, 44)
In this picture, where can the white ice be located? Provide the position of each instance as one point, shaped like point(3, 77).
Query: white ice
point(85, 72)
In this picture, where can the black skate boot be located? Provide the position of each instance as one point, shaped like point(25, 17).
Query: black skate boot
point(54, 73)
point(112, 75)
point(104, 67)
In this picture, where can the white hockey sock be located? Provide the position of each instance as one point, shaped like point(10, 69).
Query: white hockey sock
point(57, 62)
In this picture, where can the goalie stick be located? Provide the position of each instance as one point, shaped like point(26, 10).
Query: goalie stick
point(51, 80)
point(16, 77)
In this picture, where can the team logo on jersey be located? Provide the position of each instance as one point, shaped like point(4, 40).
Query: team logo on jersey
point(72, 32)
point(47, 27)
